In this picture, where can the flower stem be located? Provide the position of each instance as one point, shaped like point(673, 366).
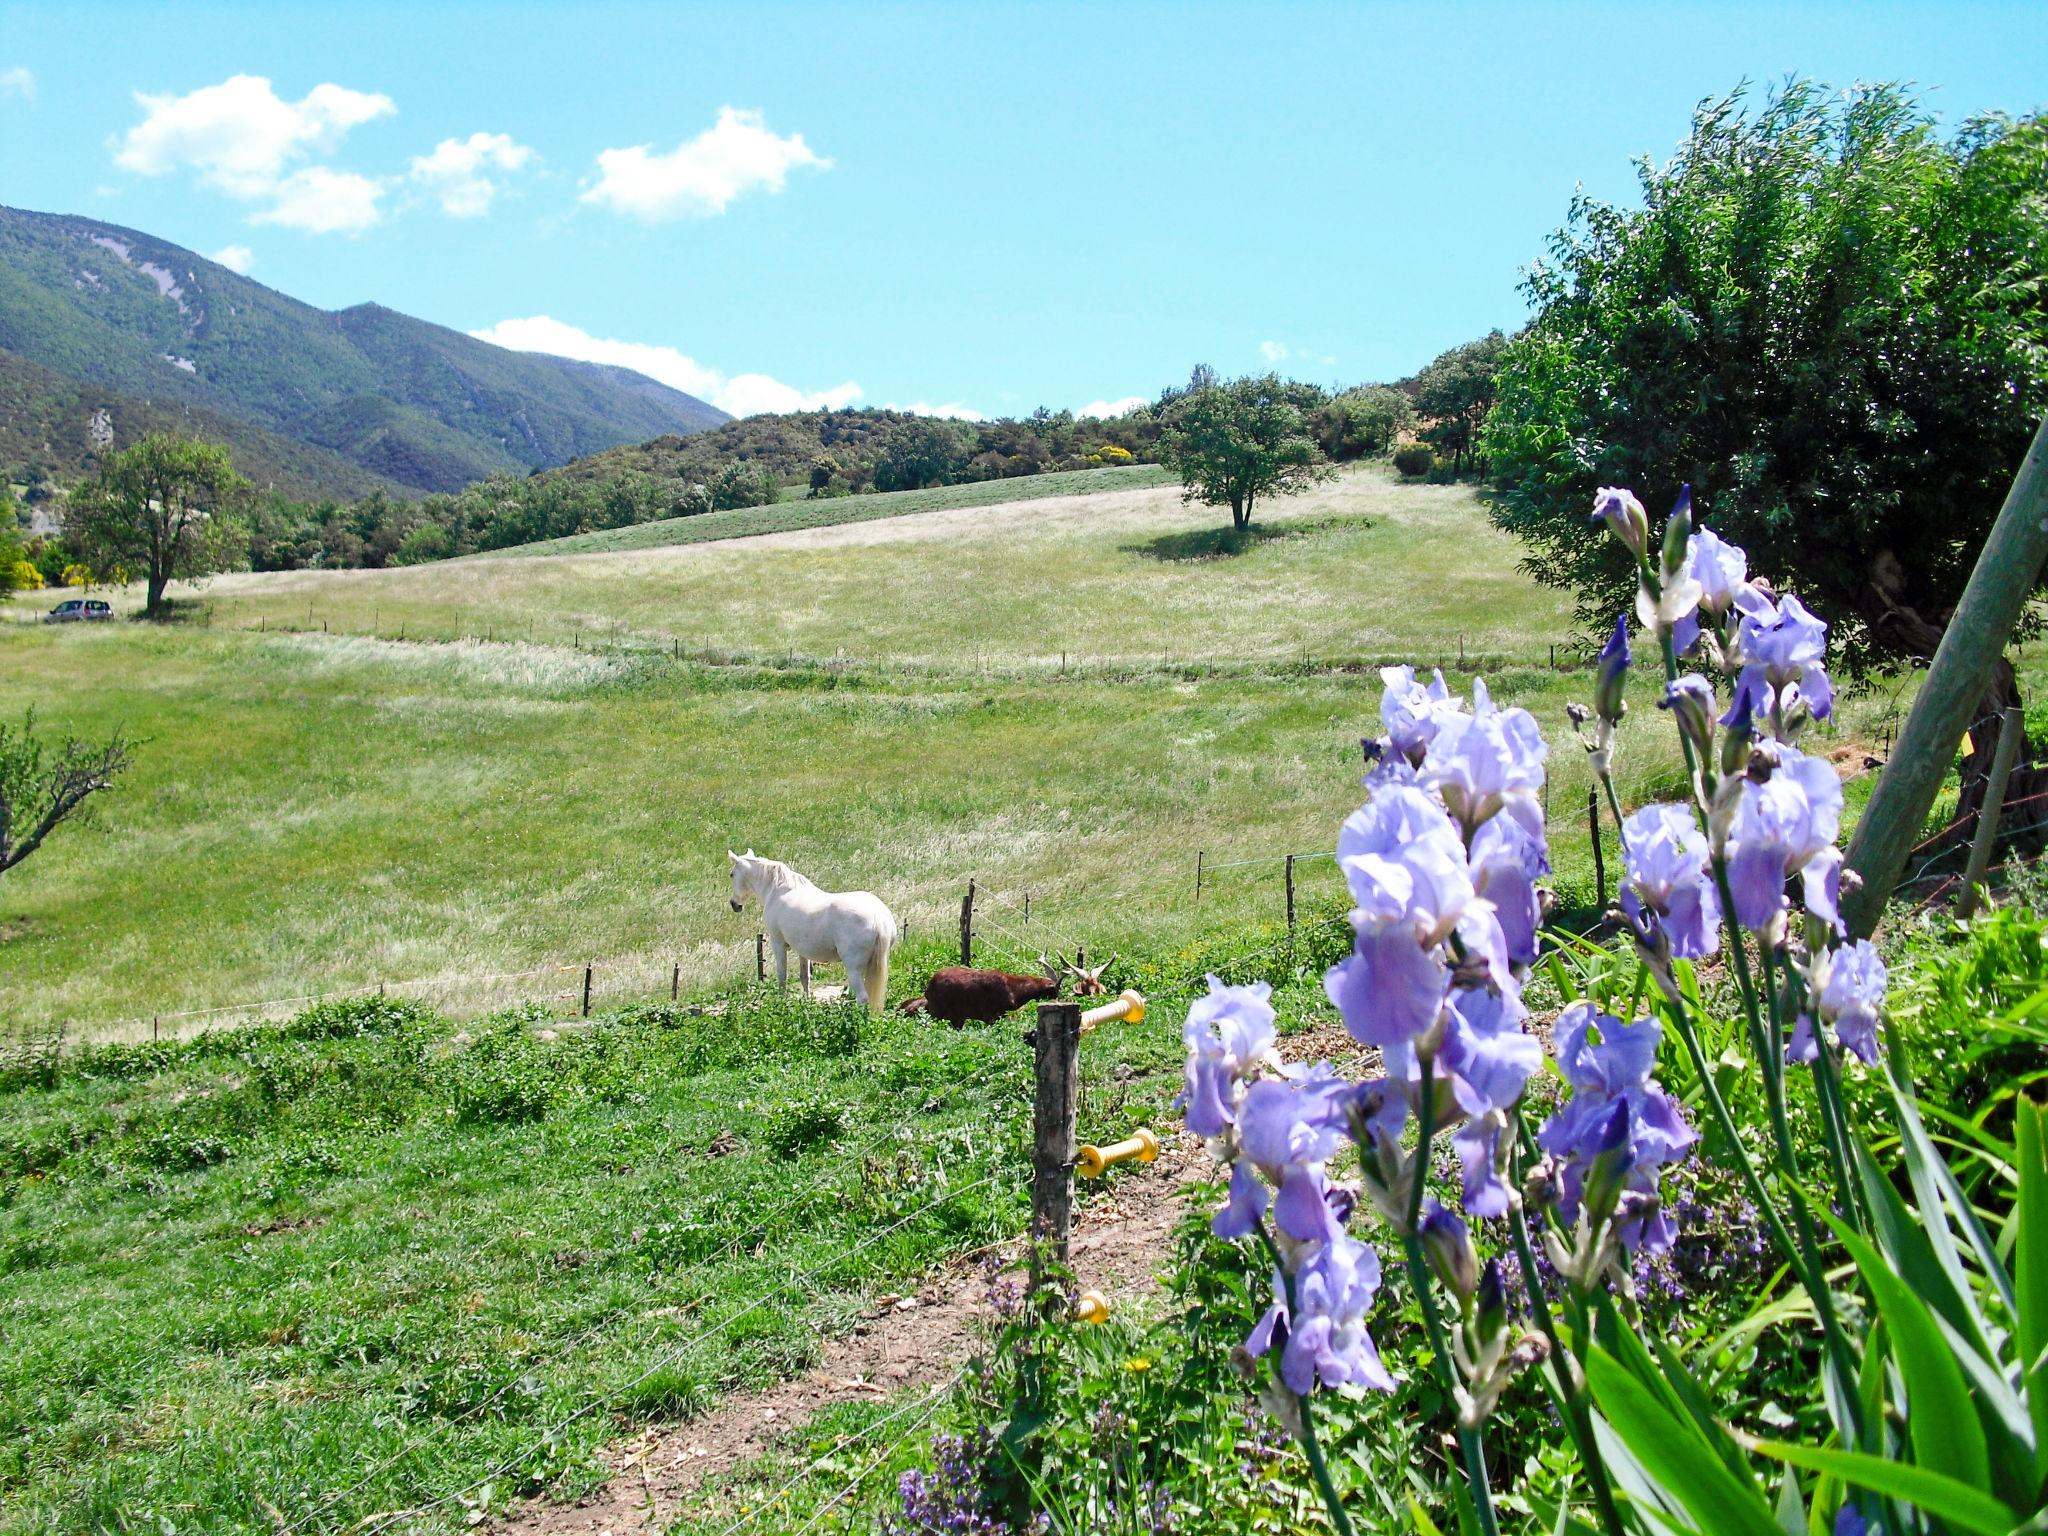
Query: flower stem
point(1469, 1441)
point(1310, 1446)
point(1321, 1470)
point(1567, 1381)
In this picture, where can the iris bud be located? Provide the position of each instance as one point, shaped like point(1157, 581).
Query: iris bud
point(1676, 533)
point(1624, 517)
point(1491, 1303)
point(1691, 702)
point(1448, 1246)
point(1612, 672)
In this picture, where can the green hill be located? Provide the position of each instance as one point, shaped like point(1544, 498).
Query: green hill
point(419, 403)
point(46, 420)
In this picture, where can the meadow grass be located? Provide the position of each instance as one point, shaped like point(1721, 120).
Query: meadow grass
point(294, 1277)
point(316, 812)
point(794, 510)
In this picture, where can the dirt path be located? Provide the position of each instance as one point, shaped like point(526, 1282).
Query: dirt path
point(908, 1341)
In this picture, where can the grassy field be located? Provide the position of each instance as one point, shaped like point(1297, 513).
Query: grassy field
point(795, 510)
point(885, 707)
point(380, 1259)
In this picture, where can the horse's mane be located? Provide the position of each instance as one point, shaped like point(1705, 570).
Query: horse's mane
point(781, 874)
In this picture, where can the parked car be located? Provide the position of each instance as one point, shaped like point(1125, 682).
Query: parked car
point(76, 610)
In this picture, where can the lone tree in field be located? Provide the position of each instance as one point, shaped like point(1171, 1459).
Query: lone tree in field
point(165, 507)
point(1833, 323)
point(40, 790)
point(1234, 443)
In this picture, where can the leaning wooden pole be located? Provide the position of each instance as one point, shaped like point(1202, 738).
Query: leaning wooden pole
point(2007, 569)
point(2011, 727)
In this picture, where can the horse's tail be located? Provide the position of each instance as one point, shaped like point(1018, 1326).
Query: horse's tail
point(876, 975)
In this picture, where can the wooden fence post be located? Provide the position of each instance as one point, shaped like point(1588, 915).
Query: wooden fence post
point(1200, 857)
point(1290, 894)
point(586, 989)
point(2010, 731)
point(675, 981)
point(1055, 1091)
point(2000, 585)
point(967, 926)
point(760, 957)
point(1599, 855)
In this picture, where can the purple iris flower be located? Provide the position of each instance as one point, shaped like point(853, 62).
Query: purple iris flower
point(1290, 1129)
point(1720, 568)
point(1668, 886)
point(1617, 1119)
point(1783, 650)
point(1786, 826)
point(1321, 1333)
point(1405, 863)
point(1227, 1034)
point(1505, 863)
point(1409, 710)
point(1849, 994)
point(1488, 762)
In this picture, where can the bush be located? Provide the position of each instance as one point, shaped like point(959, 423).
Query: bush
point(1414, 459)
point(802, 1122)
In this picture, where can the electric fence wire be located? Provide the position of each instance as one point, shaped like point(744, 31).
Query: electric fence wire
point(672, 1356)
point(811, 1192)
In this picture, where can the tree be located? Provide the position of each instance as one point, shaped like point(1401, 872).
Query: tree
point(1454, 393)
point(1362, 423)
point(165, 507)
point(923, 451)
point(1829, 320)
point(40, 790)
point(1233, 443)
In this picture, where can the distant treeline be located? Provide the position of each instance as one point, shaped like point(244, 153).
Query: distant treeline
point(761, 459)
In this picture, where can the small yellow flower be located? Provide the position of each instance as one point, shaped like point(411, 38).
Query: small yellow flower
point(1137, 1363)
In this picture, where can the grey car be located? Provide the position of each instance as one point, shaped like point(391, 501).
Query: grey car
point(79, 610)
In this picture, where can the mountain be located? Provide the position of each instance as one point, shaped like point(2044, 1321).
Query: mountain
point(50, 420)
point(406, 400)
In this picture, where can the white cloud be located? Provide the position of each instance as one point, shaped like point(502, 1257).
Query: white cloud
point(243, 139)
point(746, 394)
point(236, 258)
point(953, 411)
point(18, 82)
point(1273, 351)
point(1105, 410)
point(323, 201)
point(240, 135)
point(459, 171)
point(736, 155)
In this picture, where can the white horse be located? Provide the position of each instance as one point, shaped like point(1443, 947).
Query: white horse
point(853, 928)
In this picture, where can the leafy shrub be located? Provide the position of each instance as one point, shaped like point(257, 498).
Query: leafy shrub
point(503, 1079)
point(802, 1122)
point(1414, 459)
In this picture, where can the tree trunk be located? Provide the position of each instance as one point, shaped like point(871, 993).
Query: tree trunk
point(155, 602)
point(1241, 512)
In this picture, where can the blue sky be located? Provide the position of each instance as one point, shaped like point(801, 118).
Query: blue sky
point(980, 207)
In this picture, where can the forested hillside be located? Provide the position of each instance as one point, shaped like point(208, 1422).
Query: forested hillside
point(418, 403)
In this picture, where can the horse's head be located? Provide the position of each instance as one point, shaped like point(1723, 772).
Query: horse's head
point(746, 875)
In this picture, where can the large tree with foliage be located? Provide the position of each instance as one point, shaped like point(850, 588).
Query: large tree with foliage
point(1234, 443)
point(165, 507)
point(1362, 422)
point(1453, 395)
point(1827, 317)
point(41, 788)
